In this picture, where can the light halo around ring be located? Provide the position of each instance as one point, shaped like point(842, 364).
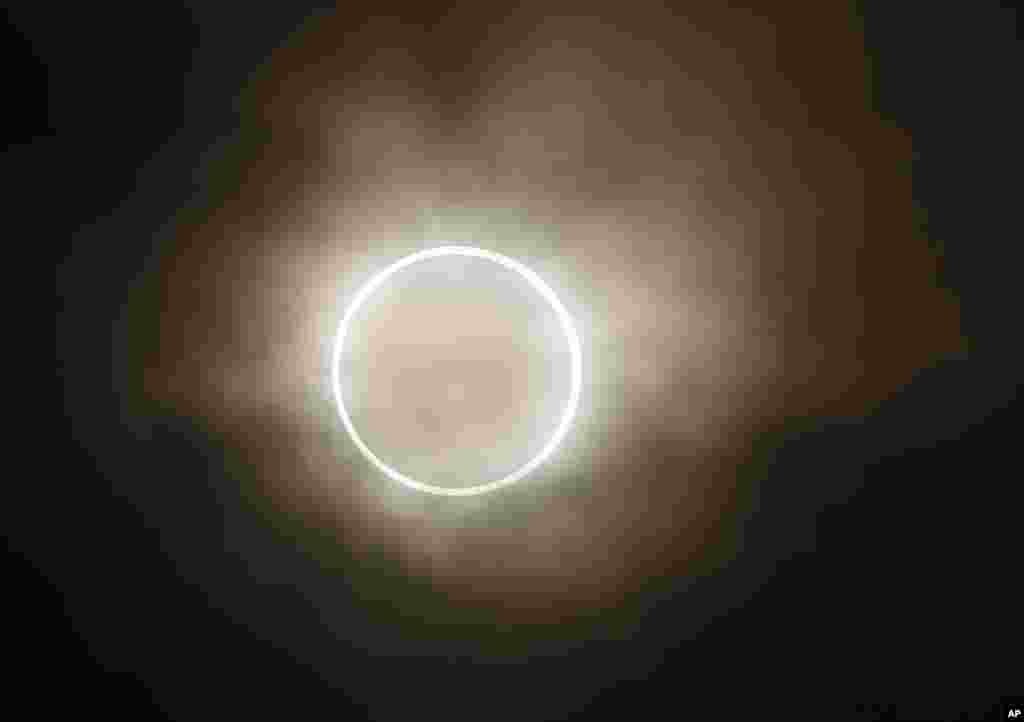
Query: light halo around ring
point(537, 284)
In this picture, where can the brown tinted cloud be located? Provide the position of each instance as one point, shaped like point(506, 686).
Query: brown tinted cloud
point(711, 195)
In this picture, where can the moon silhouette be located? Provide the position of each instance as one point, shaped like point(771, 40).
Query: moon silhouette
point(569, 331)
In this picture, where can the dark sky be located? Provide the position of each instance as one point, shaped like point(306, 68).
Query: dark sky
point(138, 554)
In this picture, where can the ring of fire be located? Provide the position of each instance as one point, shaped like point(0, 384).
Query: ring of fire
point(568, 328)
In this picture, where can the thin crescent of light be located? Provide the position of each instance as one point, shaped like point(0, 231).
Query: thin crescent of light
point(568, 328)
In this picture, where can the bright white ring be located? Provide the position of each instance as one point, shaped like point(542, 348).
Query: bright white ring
point(568, 328)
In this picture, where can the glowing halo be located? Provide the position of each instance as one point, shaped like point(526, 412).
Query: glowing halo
point(568, 328)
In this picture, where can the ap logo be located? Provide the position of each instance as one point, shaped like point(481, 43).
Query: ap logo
point(1013, 713)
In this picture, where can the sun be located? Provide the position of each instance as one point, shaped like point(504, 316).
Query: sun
point(537, 284)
